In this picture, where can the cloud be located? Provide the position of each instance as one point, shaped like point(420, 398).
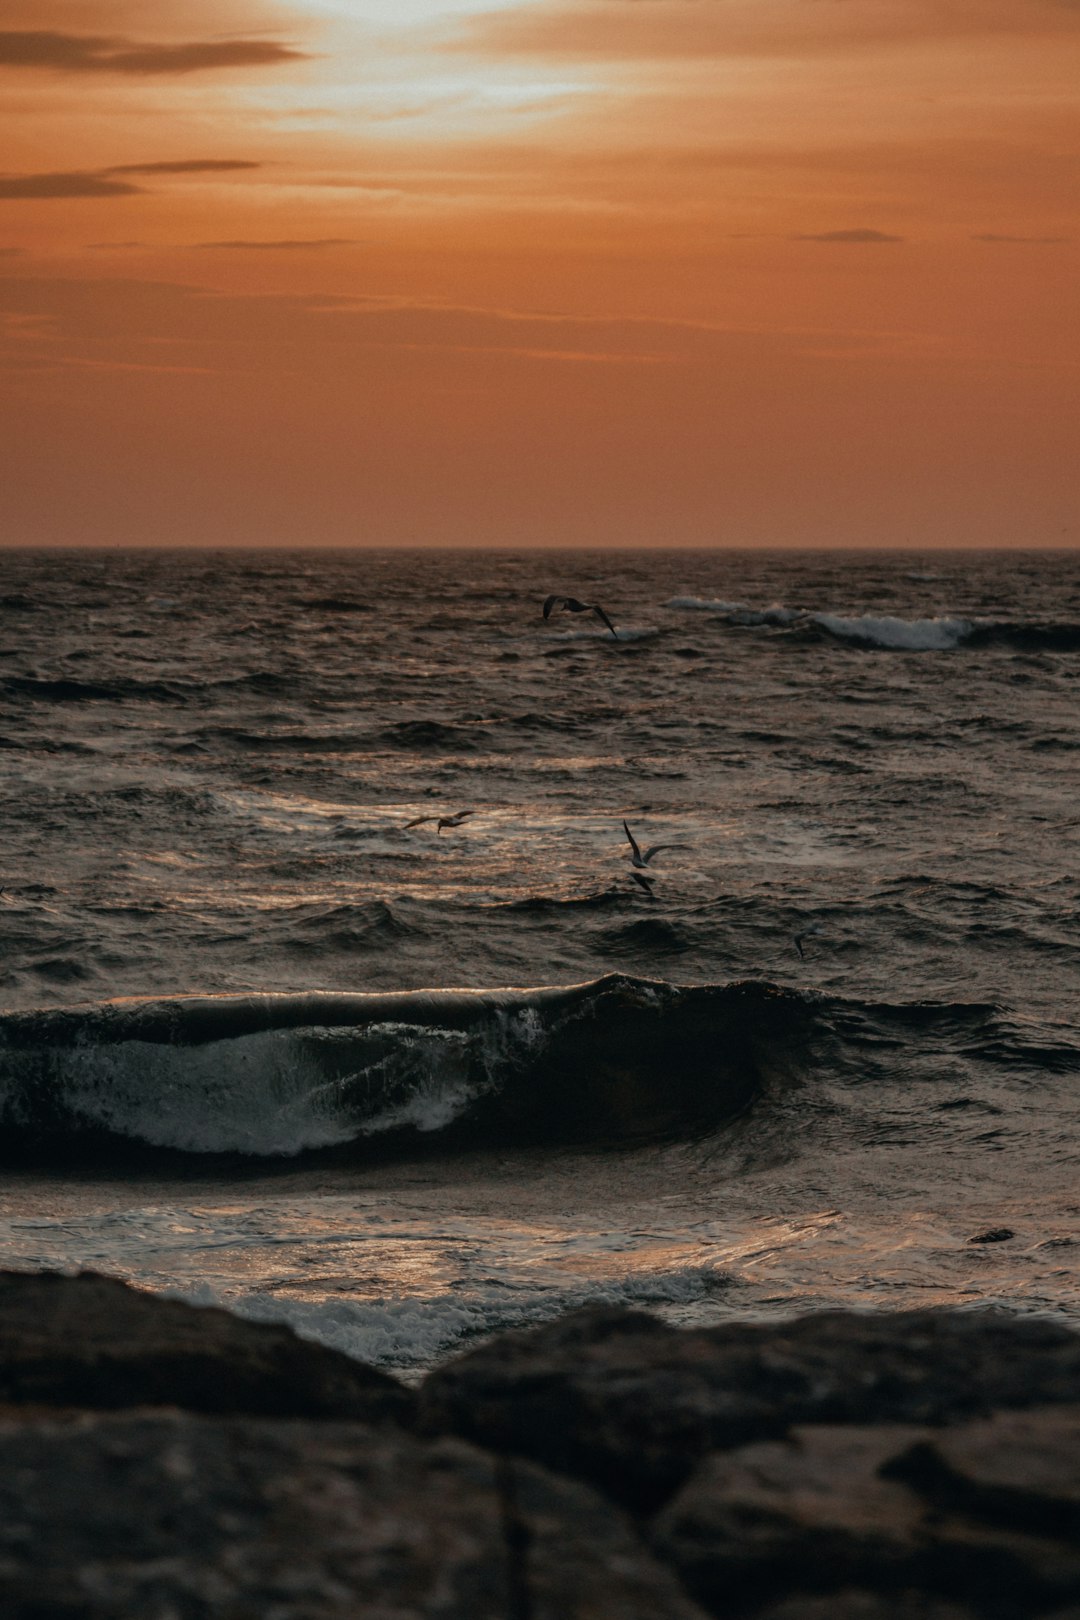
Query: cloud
point(11, 252)
point(990, 236)
point(96, 53)
point(856, 236)
point(103, 182)
point(285, 246)
point(75, 184)
point(184, 166)
point(652, 30)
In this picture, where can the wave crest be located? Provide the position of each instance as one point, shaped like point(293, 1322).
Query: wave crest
point(615, 1059)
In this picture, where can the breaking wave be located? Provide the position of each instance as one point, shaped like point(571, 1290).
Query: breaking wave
point(616, 1059)
point(893, 634)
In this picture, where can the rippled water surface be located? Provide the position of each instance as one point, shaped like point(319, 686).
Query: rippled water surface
point(209, 765)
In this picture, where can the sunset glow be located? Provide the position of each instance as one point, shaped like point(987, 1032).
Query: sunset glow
point(645, 272)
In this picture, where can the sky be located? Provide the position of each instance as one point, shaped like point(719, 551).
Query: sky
point(540, 272)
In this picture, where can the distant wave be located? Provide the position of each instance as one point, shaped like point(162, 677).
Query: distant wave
point(613, 1059)
point(335, 604)
point(431, 734)
point(63, 689)
point(911, 635)
point(941, 634)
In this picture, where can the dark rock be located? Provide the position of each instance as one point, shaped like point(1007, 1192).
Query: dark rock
point(620, 1399)
point(855, 1605)
point(91, 1341)
point(878, 1510)
point(1016, 1468)
point(156, 1515)
point(996, 1234)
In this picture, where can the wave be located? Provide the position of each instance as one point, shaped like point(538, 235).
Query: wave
point(910, 635)
point(571, 638)
point(335, 604)
point(407, 1332)
point(423, 734)
point(890, 633)
point(64, 689)
point(612, 1060)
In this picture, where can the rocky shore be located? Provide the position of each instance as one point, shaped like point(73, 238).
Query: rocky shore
point(163, 1462)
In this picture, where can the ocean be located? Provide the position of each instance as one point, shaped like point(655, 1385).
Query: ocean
point(265, 1044)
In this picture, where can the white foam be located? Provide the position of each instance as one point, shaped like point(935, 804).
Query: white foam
point(279, 1092)
point(913, 635)
point(738, 612)
point(411, 1332)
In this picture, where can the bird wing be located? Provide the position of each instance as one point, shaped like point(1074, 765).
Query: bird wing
point(600, 614)
point(419, 822)
point(798, 944)
point(550, 603)
point(646, 883)
point(656, 848)
point(633, 840)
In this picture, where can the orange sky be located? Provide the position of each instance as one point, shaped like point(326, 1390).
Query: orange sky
point(648, 272)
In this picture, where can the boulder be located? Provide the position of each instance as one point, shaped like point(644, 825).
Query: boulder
point(155, 1515)
point(92, 1341)
point(897, 1513)
point(1016, 1468)
point(621, 1399)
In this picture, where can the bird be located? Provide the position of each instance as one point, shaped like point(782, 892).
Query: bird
point(640, 860)
point(644, 882)
point(570, 604)
point(814, 928)
point(442, 821)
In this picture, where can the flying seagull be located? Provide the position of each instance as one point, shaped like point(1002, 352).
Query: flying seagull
point(807, 933)
point(443, 821)
point(640, 860)
point(570, 604)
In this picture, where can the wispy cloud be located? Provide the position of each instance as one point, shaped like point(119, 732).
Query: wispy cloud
point(854, 237)
point(289, 244)
point(95, 53)
point(185, 166)
point(76, 183)
point(655, 30)
point(1044, 241)
point(104, 182)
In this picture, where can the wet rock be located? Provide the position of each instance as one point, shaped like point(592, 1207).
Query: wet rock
point(156, 1515)
point(881, 1511)
point(996, 1234)
point(620, 1399)
point(92, 1341)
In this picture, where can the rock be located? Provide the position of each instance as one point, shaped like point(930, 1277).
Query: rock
point(803, 1514)
point(91, 1341)
point(855, 1605)
point(620, 1399)
point(1016, 1468)
point(161, 1515)
point(880, 1511)
point(996, 1234)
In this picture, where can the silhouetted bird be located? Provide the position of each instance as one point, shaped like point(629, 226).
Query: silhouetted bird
point(637, 858)
point(807, 933)
point(443, 821)
point(570, 604)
